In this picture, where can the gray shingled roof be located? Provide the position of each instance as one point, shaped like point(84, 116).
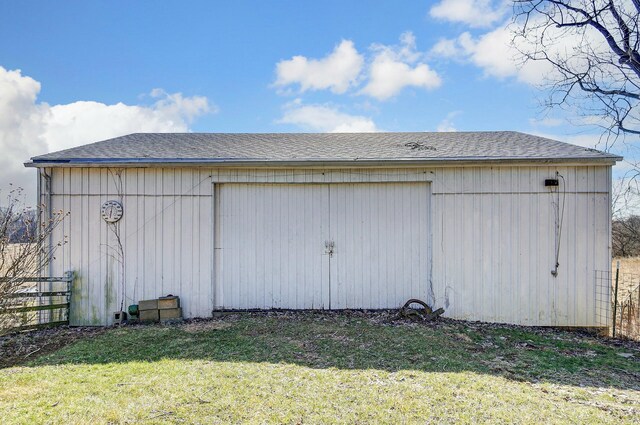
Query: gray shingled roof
point(143, 148)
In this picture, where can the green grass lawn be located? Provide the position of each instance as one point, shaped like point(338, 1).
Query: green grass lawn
point(326, 368)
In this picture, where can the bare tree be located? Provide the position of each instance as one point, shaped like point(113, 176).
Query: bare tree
point(626, 236)
point(592, 49)
point(591, 66)
point(26, 249)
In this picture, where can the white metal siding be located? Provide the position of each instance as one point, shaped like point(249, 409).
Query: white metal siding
point(494, 242)
point(493, 236)
point(166, 232)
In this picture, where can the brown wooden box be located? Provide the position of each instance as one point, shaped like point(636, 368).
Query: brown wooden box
point(168, 302)
point(149, 315)
point(148, 305)
point(170, 313)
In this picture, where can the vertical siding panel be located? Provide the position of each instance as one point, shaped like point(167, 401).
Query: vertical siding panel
point(437, 272)
point(252, 244)
point(168, 229)
point(258, 276)
point(101, 286)
point(400, 279)
point(380, 258)
point(236, 202)
point(140, 236)
point(186, 247)
point(243, 246)
point(565, 310)
point(474, 276)
point(73, 230)
point(301, 240)
point(349, 251)
point(220, 249)
point(461, 223)
point(151, 275)
point(199, 211)
point(180, 245)
point(389, 262)
point(205, 252)
point(83, 268)
point(296, 228)
point(313, 243)
point(270, 224)
point(287, 291)
point(423, 218)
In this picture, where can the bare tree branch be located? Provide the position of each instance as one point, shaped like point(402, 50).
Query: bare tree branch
point(25, 250)
point(591, 47)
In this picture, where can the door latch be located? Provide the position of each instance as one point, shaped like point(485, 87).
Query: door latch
point(328, 247)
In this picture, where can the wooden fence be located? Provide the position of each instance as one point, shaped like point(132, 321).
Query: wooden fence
point(36, 302)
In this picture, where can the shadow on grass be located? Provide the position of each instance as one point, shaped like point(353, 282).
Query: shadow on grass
point(362, 341)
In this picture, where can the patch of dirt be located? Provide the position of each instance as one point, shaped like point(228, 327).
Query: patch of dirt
point(204, 325)
point(21, 347)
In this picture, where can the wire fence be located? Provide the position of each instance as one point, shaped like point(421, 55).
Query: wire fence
point(618, 303)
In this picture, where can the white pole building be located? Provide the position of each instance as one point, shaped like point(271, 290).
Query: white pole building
point(491, 226)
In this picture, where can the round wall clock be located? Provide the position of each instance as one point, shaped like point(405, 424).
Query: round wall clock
point(112, 211)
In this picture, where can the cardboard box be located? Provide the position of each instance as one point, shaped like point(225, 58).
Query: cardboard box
point(168, 302)
point(149, 315)
point(148, 305)
point(170, 313)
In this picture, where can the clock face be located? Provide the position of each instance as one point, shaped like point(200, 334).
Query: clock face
point(111, 211)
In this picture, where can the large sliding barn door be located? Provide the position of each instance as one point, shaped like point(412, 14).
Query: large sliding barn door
point(320, 246)
point(269, 246)
point(380, 234)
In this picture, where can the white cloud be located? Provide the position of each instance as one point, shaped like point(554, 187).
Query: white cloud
point(498, 53)
point(395, 67)
point(446, 48)
point(475, 13)
point(29, 127)
point(390, 69)
point(447, 125)
point(337, 71)
point(325, 118)
point(546, 122)
point(85, 121)
point(493, 53)
point(21, 124)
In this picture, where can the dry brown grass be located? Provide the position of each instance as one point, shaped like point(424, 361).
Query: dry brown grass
point(628, 311)
point(629, 274)
point(11, 251)
point(627, 265)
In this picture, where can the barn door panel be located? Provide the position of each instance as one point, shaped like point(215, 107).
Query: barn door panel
point(380, 254)
point(269, 246)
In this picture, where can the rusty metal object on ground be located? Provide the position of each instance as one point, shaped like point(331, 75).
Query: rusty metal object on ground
point(426, 313)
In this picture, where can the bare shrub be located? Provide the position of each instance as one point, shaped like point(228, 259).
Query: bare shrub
point(26, 249)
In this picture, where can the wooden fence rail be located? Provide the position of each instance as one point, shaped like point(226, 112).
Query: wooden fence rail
point(36, 302)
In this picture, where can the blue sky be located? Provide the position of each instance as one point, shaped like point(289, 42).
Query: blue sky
point(74, 72)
